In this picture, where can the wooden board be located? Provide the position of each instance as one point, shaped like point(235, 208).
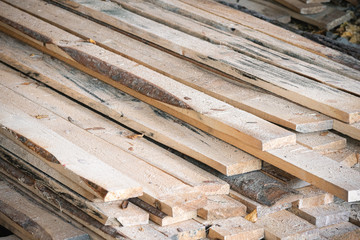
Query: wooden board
point(301, 7)
point(109, 131)
point(323, 141)
point(106, 213)
point(301, 90)
point(339, 231)
point(352, 130)
point(145, 119)
point(29, 221)
point(198, 109)
point(240, 95)
point(186, 230)
point(92, 173)
point(312, 197)
point(264, 33)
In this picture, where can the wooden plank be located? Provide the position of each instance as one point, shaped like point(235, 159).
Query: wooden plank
point(240, 95)
point(30, 221)
point(264, 33)
point(345, 156)
point(325, 215)
point(286, 225)
point(239, 44)
point(312, 197)
point(123, 108)
point(106, 213)
point(339, 231)
point(187, 230)
point(44, 194)
point(177, 99)
point(221, 207)
point(301, 7)
point(161, 190)
point(107, 130)
point(323, 141)
point(92, 173)
point(297, 162)
point(143, 232)
point(300, 89)
point(269, 13)
point(351, 130)
point(327, 19)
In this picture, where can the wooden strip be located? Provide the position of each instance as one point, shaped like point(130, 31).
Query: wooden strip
point(30, 221)
point(339, 231)
point(345, 156)
point(352, 130)
point(195, 107)
point(286, 41)
point(160, 189)
point(321, 141)
point(300, 89)
point(55, 152)
point(109, 131)
point(284, 224)
point(106, 213)
point(186, 230)
point(123, 108)
point(303, 8)
point(46, 195)
point(221, 207)
point(145, 232)
point(240, 95)
point(312, 197)
point(300, 163)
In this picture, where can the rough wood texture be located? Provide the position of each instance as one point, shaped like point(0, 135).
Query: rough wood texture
point(312, 197)
point(30, 221)
point(186, 230)
point(240, 95)
point(221, 207)
point(321, 141)
point(108, 100)
point(340, 231)
point(352, 130)
point(285, 225)
point(324, 215)
point(109, 131)
point(200, 110)
point(264, 75)
point(303, 8)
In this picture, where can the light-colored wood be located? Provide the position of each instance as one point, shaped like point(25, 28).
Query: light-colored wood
point(267, 34)
point(67, 158)
point(339, 231)
point(325, 215)
point(106, 99)
point(107, 213)
point(165, 192)
point(352, 130)
point(327, 19)
point(240, 95)
point(233, 228)
point(323, 141)
point(286, 225)
point(31, 220)
point(301, 7)
point(187, 230)
point(221, 207)
point(345, 156)
point(300, 89)
point(143, 232)
point(269, 13)
point(109, 131)
point(312, 197)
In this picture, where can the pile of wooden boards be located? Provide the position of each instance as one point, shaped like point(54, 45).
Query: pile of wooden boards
point(315, 12)
point(172, 119)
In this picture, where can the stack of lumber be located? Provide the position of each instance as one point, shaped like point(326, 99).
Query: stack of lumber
point(315, 12)
point(172, 120)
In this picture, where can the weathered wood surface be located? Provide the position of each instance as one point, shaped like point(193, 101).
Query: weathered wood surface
point(352, 130)
point(323, 141)
point(127, 110)
point(301, 7)
point(300, 89)
point(240, 95)
point(340, 231)
point(106, 213)
point(30, 221)
point(186, 103)
point(109, 131)
point(264, 33)
point(239, 44)
point(312, 197)
point(160, 189)
point(72, 161)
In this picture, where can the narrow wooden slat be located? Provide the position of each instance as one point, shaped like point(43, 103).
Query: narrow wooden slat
point(170, 163)
point(313, 197)
point(76, 163)
point(186, 103)
point(289, 42)
point(187, 230)
point(30, 221)
point(301, 7)
point(123, 108)
point(106, 213)
point(299, 89)
point(323, 141)
point(352, 130)
point(240, 95)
